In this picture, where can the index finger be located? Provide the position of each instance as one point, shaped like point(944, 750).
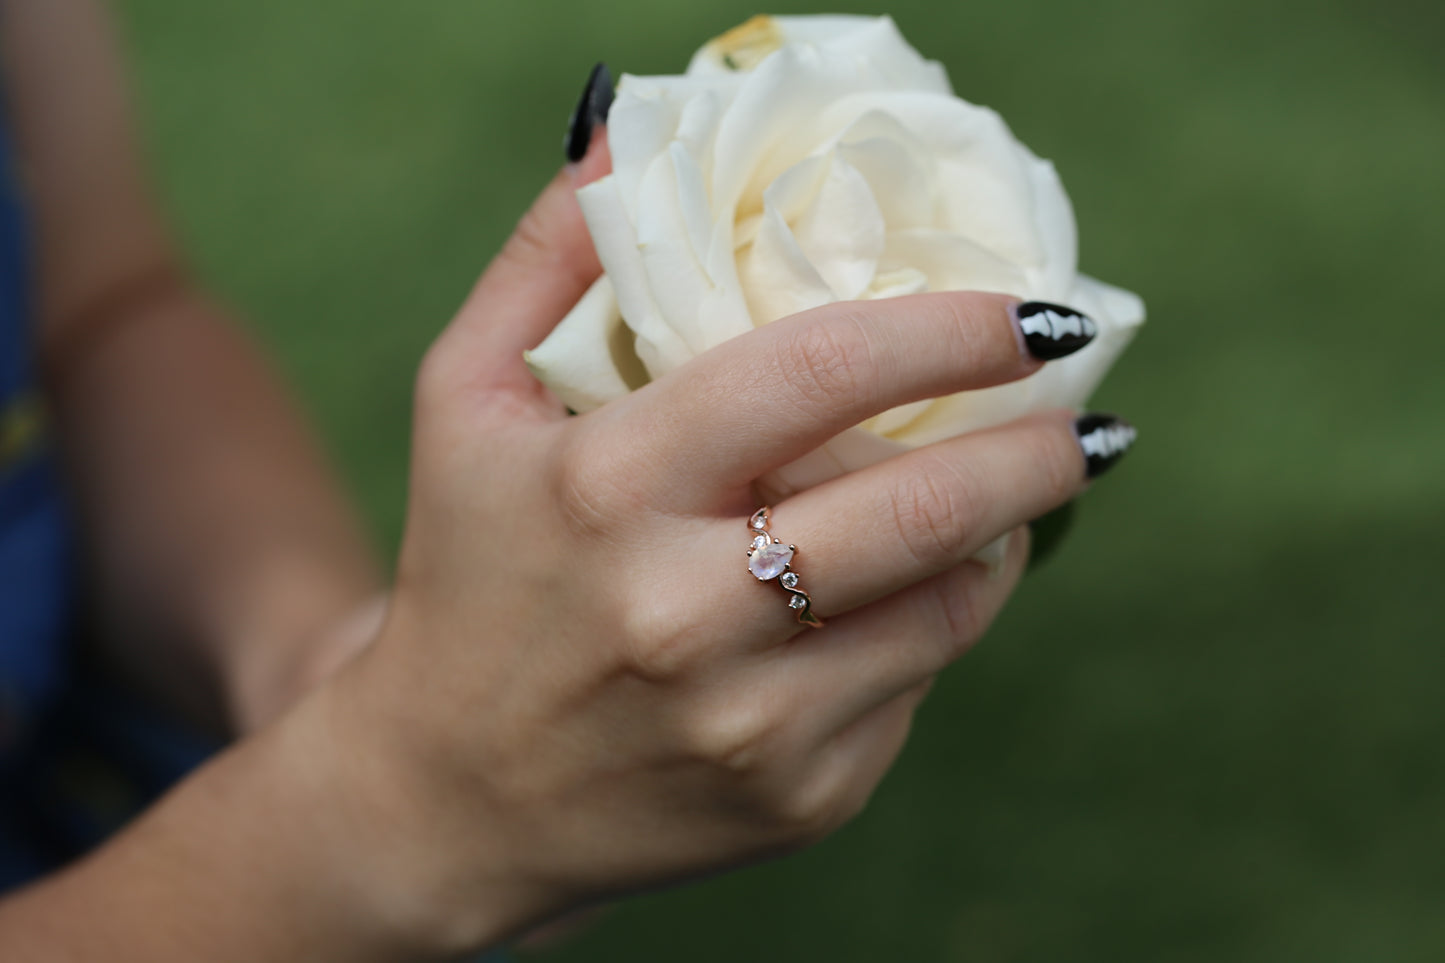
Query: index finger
point(763, 399)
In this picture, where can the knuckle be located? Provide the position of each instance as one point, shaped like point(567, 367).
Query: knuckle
point(664, 641)
point(593, 494)
point(932, 508)
point(658, 659)
point(827, 364)
point(738, 739)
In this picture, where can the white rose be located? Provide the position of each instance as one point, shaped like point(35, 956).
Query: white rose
point(805, 160)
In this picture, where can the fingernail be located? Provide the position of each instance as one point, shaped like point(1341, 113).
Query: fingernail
point(1105, 439)
point(1053, 331)
point(592, 108)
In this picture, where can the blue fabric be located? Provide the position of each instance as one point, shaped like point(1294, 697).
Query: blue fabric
point(78, 758)
point(34, 532)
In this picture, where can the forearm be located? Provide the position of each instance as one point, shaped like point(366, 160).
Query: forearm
point(282, 849)
point(216, 535)
point(219, 544)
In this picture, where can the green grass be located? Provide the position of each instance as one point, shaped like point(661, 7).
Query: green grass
point(1211, 728)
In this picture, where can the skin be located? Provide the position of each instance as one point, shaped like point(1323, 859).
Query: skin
point(577, 691)
point(228, 571)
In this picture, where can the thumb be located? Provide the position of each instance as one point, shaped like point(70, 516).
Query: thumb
point(545, 266)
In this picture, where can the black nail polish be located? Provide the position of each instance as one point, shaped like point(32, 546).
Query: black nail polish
point(1104, 439)
point(592, 108)
point(1053, 331)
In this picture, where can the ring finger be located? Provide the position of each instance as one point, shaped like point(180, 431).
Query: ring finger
point(870, 533)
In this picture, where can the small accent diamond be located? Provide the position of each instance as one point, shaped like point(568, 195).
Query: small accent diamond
point(789, 579)
point(797, 602)
point(760, 543)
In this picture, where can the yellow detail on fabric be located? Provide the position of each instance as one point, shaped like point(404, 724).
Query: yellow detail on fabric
point(22, 426)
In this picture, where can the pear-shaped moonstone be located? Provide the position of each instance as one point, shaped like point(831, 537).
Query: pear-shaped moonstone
point(769, 560)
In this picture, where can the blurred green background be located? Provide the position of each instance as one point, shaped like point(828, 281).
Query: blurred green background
point(1211, 727)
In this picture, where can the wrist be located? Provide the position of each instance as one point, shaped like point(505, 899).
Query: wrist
point(424, 865)
point(273, 672)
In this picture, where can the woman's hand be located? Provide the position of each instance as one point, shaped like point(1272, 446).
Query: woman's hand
point(580, 689)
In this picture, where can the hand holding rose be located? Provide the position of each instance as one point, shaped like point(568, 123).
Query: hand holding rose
point(580, 690)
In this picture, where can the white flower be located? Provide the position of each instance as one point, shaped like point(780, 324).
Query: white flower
point(806, 160)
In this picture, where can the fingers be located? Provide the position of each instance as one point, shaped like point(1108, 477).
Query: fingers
point(763, 399)
point(872, 532)
point(542, 271)
point(871, 658)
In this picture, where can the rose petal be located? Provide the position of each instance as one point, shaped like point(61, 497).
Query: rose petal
point(899, 173)
point(777, 278)
point(966, 411)
point(952, 262)
point(896, 283)
point(649, 113)
point(588, 359)
point(1054, 226)
point(895, 420)
point(674, 273)
point(779, 115)
point(660, 348)
point(841, 232)
point(874, 39)
point(986, 191)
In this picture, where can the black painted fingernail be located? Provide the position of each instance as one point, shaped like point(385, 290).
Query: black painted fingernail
point(1053, 331)
point(1104, 439)
point(592, 108)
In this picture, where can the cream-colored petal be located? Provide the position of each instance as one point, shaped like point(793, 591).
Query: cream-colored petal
point(697, 292)
point(649, 113)
point(874, 39)
point(896, 283)
point(588, 359)
point(777, 278)
point(893, 421)
point(841, 232)
point(1053, 218)
point(966, 411)
point(780, 114)
point(952, 262)
point(900, 174)
point(673, 271)
point(613, 234)
point(985, 190)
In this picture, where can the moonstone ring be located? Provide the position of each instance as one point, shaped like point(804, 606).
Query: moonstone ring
point(769, 559)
